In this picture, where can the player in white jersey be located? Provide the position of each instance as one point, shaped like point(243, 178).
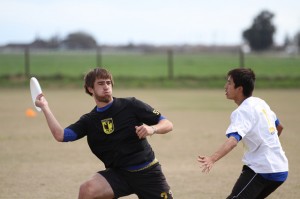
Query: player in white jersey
point(256, 125)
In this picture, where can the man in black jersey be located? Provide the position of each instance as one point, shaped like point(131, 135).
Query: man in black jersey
point(116, 131)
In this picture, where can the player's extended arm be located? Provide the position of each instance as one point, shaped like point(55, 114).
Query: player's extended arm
point(279, 129)
point(56, 129)
point(207, 162)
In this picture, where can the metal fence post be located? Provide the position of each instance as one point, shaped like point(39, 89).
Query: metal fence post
point(170, 64)
point(99, 56)
point(27, 61)
point(242, 58)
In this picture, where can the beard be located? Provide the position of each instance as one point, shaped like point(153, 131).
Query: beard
point(104, 99)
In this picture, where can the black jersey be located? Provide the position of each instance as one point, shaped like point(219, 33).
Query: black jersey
point(111, 134)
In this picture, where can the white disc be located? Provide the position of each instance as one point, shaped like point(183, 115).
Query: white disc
point(35, 90)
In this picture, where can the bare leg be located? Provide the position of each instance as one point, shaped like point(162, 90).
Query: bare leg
point(97, 188)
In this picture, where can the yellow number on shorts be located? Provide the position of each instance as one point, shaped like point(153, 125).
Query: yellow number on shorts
point(164, 195)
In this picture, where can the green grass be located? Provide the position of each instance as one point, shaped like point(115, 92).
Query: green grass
point(274, 65)
point(151, 69)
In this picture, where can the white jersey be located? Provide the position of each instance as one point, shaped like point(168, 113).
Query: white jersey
point(254, 121)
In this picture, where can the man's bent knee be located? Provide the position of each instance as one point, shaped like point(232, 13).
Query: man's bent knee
point(87, 191)
point(97, 187)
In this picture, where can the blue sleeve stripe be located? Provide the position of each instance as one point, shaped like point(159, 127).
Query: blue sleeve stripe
point(277, 122)
point(161, 118)
point(235, 135)
point(69, 135)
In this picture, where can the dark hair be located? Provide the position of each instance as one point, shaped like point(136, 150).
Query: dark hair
point(92, 75)
point(244, 77)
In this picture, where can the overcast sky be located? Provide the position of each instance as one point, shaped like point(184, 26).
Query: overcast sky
point(159, 22)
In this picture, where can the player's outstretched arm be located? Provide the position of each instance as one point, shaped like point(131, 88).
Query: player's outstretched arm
point(207, 162)
point(279, 129)
point(56, 129)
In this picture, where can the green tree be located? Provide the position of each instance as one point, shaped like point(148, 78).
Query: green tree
point(54, 42)
point(260, 34)
point(80, 40)
point(297, 39)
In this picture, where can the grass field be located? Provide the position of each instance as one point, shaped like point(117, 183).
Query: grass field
point(75, 64)
point(33, 165)
point(136, 70)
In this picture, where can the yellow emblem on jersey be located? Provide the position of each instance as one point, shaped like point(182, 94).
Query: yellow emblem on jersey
point(108, 125)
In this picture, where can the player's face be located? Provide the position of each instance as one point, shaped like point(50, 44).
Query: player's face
point(102, 90)
point(230, 90)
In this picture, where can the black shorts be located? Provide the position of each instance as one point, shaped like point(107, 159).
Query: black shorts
point(251, 185)
point(149, 183)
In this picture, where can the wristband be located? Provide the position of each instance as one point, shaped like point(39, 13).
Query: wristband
point(154, 130)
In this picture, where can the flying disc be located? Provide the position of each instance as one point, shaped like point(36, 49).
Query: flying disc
point(35, 90)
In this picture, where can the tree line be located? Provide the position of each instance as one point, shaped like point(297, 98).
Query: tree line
point(259, 37)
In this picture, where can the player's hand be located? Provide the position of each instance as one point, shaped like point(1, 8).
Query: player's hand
point(206, 163)
point(143, 131)
point(41, 101)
